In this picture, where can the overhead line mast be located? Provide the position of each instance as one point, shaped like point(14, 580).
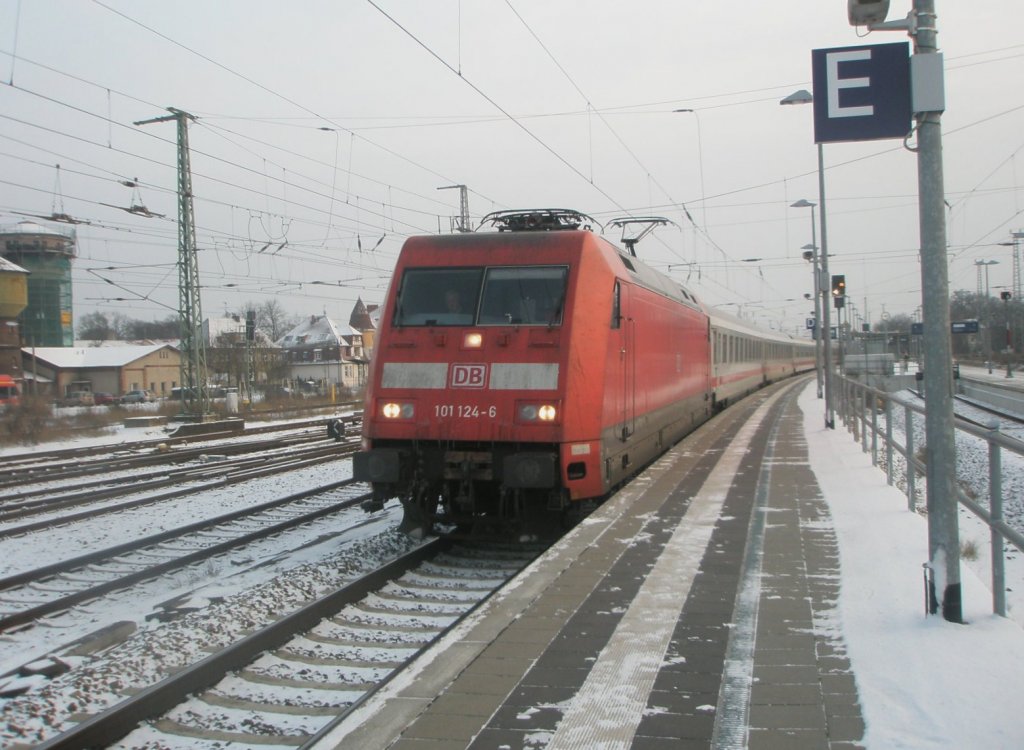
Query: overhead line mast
point(463, 224)
point(194, 397)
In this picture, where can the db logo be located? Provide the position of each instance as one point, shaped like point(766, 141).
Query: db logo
point(469, 376)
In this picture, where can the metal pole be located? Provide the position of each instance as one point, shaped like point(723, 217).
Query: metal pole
point(908, 429)
point(463, 223)
point(988, 321)
point(863, 418)
point(830, 421)
point(995, 495)
point(875, 430)
point(817, 305)
point(193, 370)
point(943, 525)
point(888, 440)
point(700, 167)
point(1009, 342)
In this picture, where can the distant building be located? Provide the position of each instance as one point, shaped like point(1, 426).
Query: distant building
point(364, 318)
point(110, 369)
point(230, 330)
point(319, 352)
point(232, 360)
point(46, 253)
point(13, 299)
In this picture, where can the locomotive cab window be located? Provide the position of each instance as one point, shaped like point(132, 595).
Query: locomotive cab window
point(438, 297)
point(523, 295)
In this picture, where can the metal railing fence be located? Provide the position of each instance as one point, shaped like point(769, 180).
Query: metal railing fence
point(859, 407)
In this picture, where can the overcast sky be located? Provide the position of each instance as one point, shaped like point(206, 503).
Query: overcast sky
point(325, 126)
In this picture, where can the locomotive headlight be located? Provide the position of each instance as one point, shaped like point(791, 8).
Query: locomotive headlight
point(472, 340)
point(392, 410)
point(532, 412)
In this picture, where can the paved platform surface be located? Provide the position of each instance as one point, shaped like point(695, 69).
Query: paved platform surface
point(695, 609)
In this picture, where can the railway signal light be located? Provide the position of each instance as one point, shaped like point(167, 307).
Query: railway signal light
point(250, 326)
point(1005, 296)
point(839, 285)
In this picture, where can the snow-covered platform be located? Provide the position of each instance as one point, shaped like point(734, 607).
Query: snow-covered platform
point(701, 607)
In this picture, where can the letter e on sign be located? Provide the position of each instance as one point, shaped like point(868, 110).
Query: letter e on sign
point(469, 376)
point(861, 93)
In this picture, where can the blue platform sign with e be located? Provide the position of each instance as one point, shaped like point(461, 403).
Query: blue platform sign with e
point(861, 93)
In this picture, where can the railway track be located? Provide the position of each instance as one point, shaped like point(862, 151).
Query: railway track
point(29, 596)
point(1012, 421)
point(285, 682)
point(198, 479)
point(62, 465)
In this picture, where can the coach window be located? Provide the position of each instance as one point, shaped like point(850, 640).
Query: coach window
point(523, 295)
point(438, 297)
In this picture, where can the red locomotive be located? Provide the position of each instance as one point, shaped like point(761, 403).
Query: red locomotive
point(522, 372)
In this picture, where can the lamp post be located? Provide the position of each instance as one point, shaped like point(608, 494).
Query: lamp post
point(819, 302)
point(1009, 345)
point(1015, 287)
point(804, 97)
point(811, 254)
point(988, 312)
point(700, 167)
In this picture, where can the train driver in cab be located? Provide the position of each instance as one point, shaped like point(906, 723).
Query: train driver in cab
point(453, 302)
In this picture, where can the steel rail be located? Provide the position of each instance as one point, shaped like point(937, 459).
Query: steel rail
point(66, 601)
point(121, 486)
point(36, 457)
point(116, 722)
point(327, 455)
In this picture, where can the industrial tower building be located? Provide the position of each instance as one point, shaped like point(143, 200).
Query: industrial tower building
point(46, 253)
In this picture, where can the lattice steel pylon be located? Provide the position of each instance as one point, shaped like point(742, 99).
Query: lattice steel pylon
point(462, 225)
point(194, 397)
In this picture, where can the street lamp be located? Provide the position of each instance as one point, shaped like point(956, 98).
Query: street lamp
point(811, 254)
point(1017, 237)
point(823, 305)
point(804, 97)
point(700, 167)
point(1006, 314)
point(988, 310)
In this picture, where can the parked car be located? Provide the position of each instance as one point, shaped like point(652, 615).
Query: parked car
point(78, 398)
point(101, 398)
point(178, 393)
point(136, 397)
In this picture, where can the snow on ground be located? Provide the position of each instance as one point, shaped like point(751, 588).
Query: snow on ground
point(227, 609)
point(25, 552)
point(923, 682)
point(117, 434)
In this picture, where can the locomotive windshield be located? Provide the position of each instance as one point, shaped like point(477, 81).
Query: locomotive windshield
point(511, 295)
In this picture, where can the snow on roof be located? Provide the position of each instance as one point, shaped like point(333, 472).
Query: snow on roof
point(86, 357)
point(316, 329)
point(8, 266)
point(34, 227)
point(216, 327)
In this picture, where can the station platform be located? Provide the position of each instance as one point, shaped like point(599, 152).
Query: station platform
point(691, 610)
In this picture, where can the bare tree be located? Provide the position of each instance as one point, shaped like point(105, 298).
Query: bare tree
point(168, 328)
point(100, 326)
point(96, 326)
point(273, 319)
